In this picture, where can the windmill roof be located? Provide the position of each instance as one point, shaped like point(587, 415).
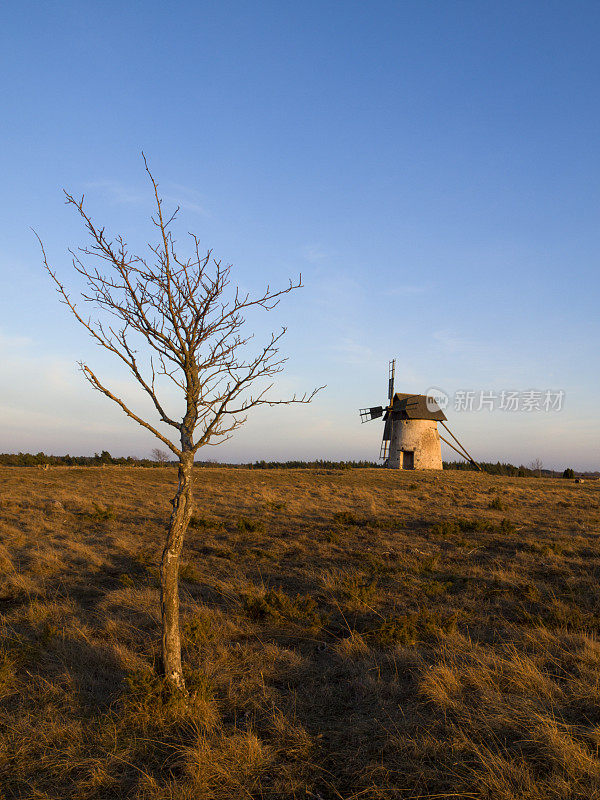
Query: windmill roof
point(417, 406)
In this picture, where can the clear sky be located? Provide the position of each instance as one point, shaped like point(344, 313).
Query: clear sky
point(430, 167)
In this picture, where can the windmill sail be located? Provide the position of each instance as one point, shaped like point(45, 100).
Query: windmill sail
point(391, 380)
point(367, 414)
point(387, 435)
point(387, 430)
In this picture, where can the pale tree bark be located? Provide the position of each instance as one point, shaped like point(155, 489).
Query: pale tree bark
point(193, 330)
point(169, 573)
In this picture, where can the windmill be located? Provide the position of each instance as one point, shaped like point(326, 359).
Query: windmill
point(410, 435)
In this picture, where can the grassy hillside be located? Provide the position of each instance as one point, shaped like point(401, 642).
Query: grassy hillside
point(355, 634)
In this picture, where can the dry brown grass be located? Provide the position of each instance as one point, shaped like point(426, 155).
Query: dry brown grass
point(360, 634)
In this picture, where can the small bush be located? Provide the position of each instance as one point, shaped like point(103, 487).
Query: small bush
point(250, 525)
point(199, 631)
point(506, 526)
point(568, 473)
point(400, 630)
point(359, 587)
point(346, 518)
point(202, 522)
point(144, 689)
point(446, 528)
point(201, 688)
point(102, 513)
point(410, 629)
point(496, 504)
point(453, 527)
point(276, 604)
point(473, 524)
point(435, 588)
point(277, 506)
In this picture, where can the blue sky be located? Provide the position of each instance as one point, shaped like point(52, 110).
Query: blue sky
point(431, 168)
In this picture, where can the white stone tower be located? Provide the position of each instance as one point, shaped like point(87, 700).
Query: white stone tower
point(410, 437)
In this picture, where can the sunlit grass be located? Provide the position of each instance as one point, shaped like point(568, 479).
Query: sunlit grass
point(345, 634)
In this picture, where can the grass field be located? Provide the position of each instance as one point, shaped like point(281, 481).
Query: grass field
point(347, 634)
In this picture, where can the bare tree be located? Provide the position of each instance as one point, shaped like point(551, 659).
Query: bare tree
point(192, 323)
point(536, 467)
point(159, 455)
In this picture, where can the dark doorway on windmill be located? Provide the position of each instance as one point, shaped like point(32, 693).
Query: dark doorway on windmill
point(408, 459)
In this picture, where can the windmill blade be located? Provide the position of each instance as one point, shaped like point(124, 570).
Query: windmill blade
point(387, 430)
point(387, 435)
point(391, 380)
point(385, 448)
point(367, 414)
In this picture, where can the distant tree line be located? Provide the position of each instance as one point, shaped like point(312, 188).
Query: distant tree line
point(319, 463)
point(532, 471)
point(160, 458)
point(98, 459)
point(498, 468)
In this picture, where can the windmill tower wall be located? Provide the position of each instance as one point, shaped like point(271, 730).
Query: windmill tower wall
point(415, 444)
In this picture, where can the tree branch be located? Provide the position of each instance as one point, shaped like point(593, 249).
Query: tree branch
point(89, 375)
point(183, 312)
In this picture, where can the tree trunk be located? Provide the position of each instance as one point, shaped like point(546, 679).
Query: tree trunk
point(169, 575)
